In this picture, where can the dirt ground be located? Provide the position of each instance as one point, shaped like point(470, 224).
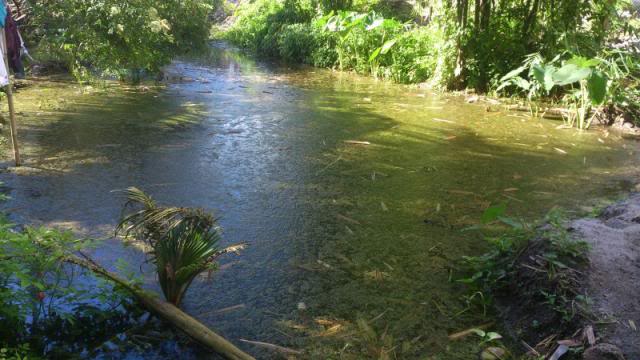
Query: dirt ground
point(613, 279)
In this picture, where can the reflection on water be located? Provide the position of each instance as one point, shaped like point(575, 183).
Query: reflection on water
point(338, 229)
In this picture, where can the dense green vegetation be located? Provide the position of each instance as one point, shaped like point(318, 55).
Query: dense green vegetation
point(41, 303)
point(124, 39)
point(461, 44)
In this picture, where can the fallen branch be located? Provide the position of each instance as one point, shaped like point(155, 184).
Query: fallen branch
point(170, 313)
point(464, 333)
point(277, 348)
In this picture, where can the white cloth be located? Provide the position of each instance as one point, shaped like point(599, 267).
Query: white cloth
point(4, 74)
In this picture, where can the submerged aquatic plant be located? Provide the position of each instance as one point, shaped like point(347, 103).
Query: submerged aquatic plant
point(183, 242)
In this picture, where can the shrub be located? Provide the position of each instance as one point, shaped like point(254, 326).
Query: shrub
point(324, 53)
point(119, 38)
point(413, 57)
point(42, 303)
point(259, 24)
point(296, 43)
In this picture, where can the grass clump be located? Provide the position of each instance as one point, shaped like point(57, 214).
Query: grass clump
point(532, 274)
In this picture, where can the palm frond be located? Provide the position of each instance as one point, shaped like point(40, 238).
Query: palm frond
point(183, 241)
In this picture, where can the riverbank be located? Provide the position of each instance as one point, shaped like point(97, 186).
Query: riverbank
point(569, 287)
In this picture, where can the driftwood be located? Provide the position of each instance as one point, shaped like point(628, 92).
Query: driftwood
point(170, 313)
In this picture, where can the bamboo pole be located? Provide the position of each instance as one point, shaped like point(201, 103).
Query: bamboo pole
point(181, 320)
point(9, 92)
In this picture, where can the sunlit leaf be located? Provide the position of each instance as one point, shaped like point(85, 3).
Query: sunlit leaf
point(375, 54)
point(387, 46)
point(569, 74)
point(583, 62)
point(544, 75)
point(375, 23)
point(513, 73)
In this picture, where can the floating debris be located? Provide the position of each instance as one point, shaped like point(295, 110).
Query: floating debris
point(357, 142)
point(348, 219)
point(376, 275)
point(444, 121)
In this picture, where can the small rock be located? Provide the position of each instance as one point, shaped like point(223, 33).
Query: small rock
point(603, 351)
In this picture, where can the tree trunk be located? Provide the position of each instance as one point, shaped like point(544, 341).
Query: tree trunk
point(192, 327)
point(529, 22)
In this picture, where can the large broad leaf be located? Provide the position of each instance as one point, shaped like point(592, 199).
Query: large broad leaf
point(521, 83)
point(517, 81)
point(513, 73)
point(569, 74)
point(583, 62)
point(544, 75)
point(333, 24)
point(597, 86)
point(387, 46)
point(377, 22)
point(375, 54)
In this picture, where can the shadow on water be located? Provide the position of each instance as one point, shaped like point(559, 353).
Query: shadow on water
point(343, 230)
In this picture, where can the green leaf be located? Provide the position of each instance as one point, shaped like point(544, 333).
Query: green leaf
point(375, 54)
point(511, 222)
point(387, 46)
point(569, 74)
point(583, 62)
point(544, 75)
point(513, 73)
point(597, 86)
point(492, 213)
point(375, 23)
point(521, 83)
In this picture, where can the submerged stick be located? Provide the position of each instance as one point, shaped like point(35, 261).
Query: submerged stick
point(463, 333)
point(170, 313)
point(277, 348)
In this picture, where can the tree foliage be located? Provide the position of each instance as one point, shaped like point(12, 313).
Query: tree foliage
point(122, 38)
point(454, 44)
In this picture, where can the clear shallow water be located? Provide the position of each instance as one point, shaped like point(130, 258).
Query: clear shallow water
point(350, 230)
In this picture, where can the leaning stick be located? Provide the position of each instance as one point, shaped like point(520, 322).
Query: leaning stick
point(9, 91)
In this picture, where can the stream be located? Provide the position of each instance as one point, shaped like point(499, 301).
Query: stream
point(351, 193)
